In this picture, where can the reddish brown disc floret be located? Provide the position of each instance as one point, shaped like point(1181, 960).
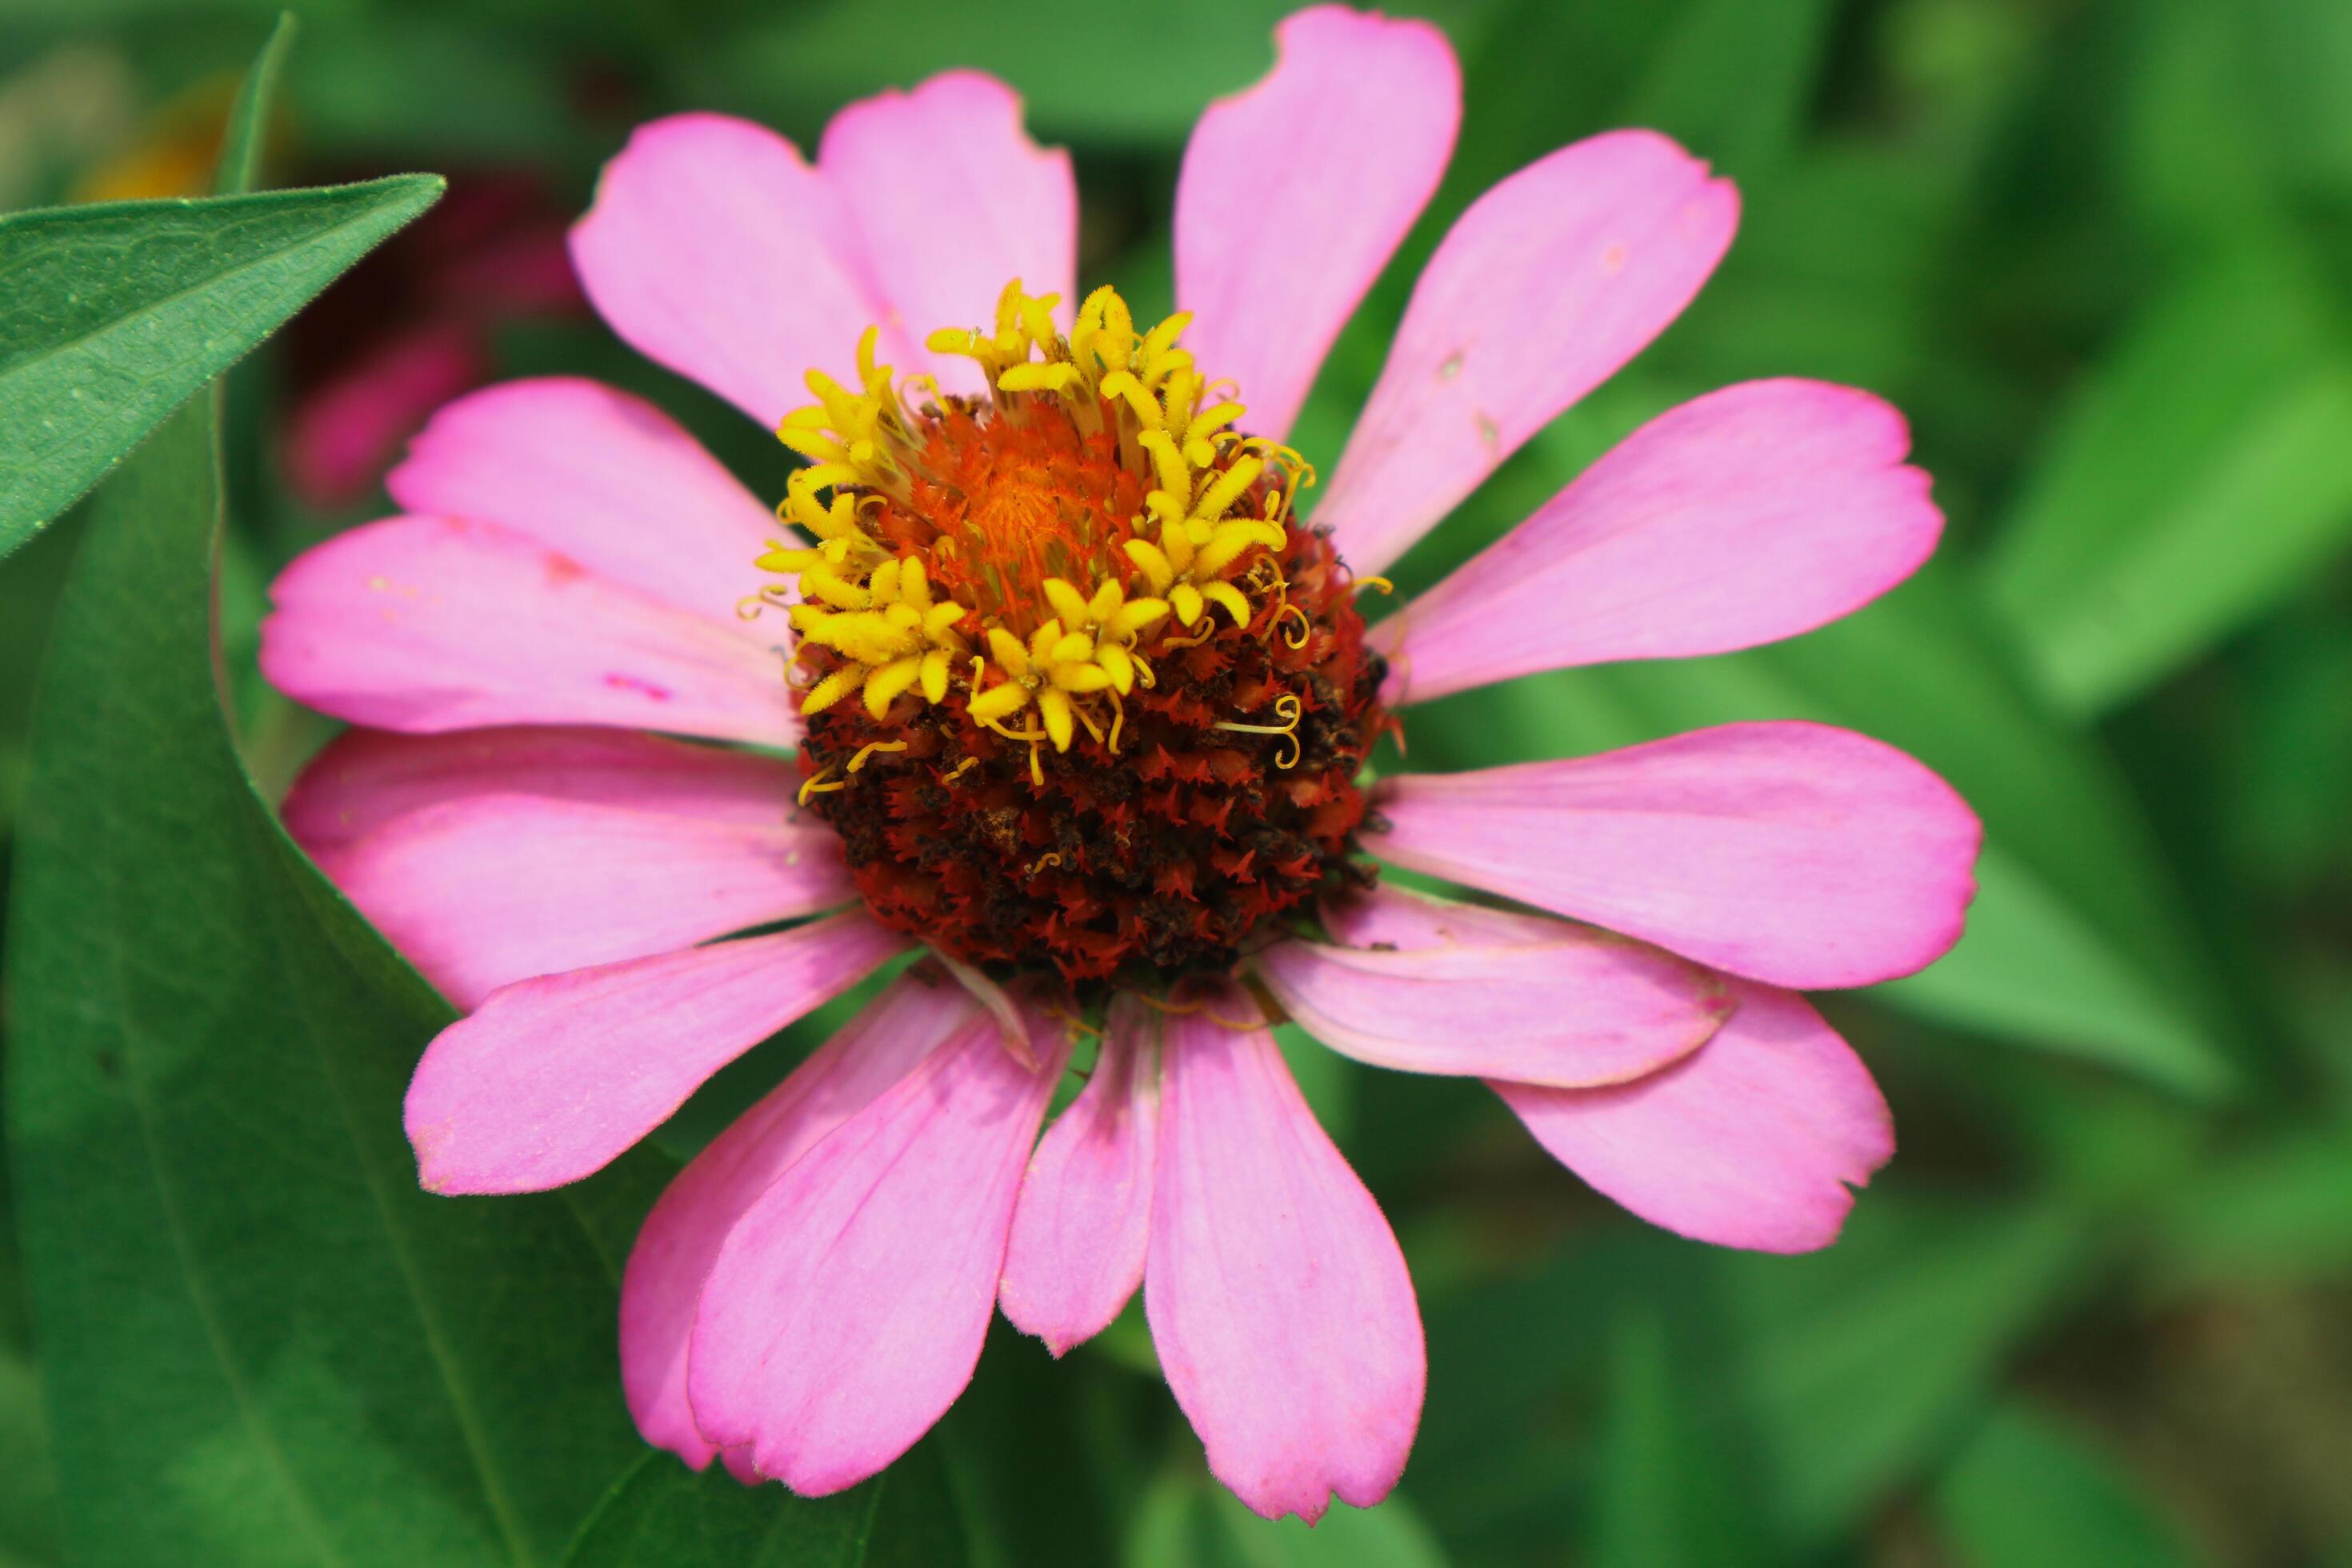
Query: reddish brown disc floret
point(1177, 852)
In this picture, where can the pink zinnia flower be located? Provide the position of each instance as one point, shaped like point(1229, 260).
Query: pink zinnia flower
point(1082, 708)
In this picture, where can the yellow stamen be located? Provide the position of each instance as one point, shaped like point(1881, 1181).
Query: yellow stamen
point(1032, 736)
point(885, 684)
point(998, 702)
point(830, 691)
point(892, 615)
point(1291, 709)
point(1054, 707)
point(935, 675)
point(1229, 597)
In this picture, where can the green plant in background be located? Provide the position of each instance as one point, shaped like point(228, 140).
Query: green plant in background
point(2094, 1312)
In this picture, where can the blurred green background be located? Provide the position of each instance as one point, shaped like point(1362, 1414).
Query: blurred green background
point(2099, 1308)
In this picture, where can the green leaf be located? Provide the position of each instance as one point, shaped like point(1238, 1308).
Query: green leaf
point(2034, 967)
point(1863, 1358)
point(2203, 473)
point(1146, 80)
point(2277, 1215)
point(29, 585)
point(2075, 942)
point(1832, 1379)
point(242, 141)
point(2190, 155)
point(1667, 1497)
point(663, 1515)
point(1035, 1459)
point(259, 1342)
point(1733, 79)
point(2024, 1492)
point(2298, 55)
point(1388, 1535)
point(28, 1478)
point(358, 91)
point(112, 315)
point(1187, 1521)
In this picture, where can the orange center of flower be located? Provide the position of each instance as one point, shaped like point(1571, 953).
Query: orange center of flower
point(1081, 694)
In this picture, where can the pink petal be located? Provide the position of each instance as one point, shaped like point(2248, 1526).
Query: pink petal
point(1078, 1233)
point(1296, 192)
point(1279, 1302)
point(1424, 985)
point(1751, 1141)
point(345, 430)
point(364, 778)
point(553, 1077)
point(430, 624)
point(1751, 514)
point(713, 249)
point(1546, 285)
point(681, 1237)
point(953, 200)
point(482, 892)
point(846, 1310)
point(605, 478)
point(1795, 854)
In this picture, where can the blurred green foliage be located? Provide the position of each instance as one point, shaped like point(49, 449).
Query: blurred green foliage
point(2099, 1310)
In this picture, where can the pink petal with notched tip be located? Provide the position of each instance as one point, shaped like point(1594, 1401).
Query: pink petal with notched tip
point(1296, 191)
point(1441, 988)
point(953, 200)
point(1541, 290)
point(482, 892)
point(364, 778)
point(553, 1079)
point(1279, 1302)
point(1745, 516)
point(428, 624)
point(344, 431)
point(714, 248)
point(847, 1307)
point(1751, 1141)
point(603, 477)
point(1796, 854)
point(680, 1238)
point(1079, 1230)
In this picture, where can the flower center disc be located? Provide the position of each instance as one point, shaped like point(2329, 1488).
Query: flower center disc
point(1080, 692)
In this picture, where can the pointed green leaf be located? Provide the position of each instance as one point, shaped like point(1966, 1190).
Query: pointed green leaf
point(1667, 1496)
point(242, 143)
point(1732, 79)
point(663, 1515)
point(1832, 1379)
point(1187, 1521)
point(1863, 1357)
point(259, 1342)
point(111, 315)
point(2204, 471)
point(28, 1478)
point(2277, 1214)
point(2025, 1493)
